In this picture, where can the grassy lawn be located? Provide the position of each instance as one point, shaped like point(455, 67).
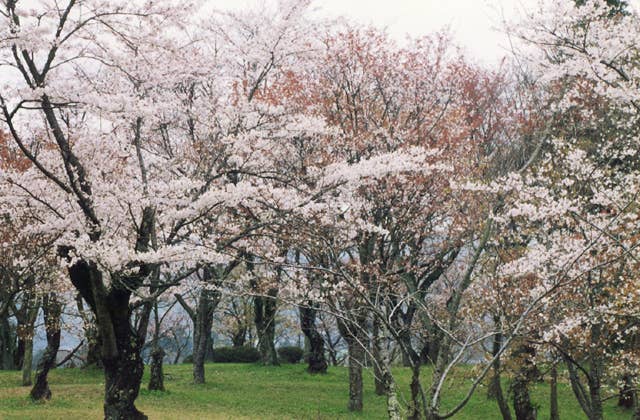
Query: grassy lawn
point(250, 391)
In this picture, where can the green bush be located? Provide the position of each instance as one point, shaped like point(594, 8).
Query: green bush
point(243, 354)
point(290, 354)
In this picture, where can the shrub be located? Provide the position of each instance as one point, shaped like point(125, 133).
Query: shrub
point(243, 354)
point(290, 354)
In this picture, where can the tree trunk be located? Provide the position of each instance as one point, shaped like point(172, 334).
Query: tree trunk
point(94, 343)
point(239, 337)
point(7, 344)
point(27, 333)
point(27, 363)
point(394, 410)
point(495, 385)
point(52, 310)
point(315, 357)
point(121, 344)
point(625, 395)
point(123, 370)
point(522, 405)
point(376, 353)
point(202, 342)
point(123, 375)
point(265, 308)
point(354, 335)
point(356, 360)
point(156, 379)
point(553, 403)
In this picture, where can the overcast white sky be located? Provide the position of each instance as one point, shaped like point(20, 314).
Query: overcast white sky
point(472, 22)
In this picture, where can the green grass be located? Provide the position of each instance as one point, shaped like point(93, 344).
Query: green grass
point(251, 391)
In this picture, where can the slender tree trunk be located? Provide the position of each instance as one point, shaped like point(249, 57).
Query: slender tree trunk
point(7, 344)
point(495, 385)
point(239, 337)
point(522, 405)
point(317, 362)
point(393, 404)
point(265, 308)
point(376, 353)
point(416, 393)
point(626, 397)
point(27, 336)
point(356, 360)
point(94, 343)
point(52, 310)
point(27, 363)
point(354, 335)
point(207, 303)
point(595, 376)
point(156, 379)
point(595, 390)
point(553, 403)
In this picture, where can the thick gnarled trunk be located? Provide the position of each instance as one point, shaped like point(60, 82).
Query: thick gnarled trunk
point(317, 362)
point(123, 368)
point(121, 343)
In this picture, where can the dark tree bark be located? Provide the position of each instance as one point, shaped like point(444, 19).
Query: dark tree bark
point(379, 376)
point(27, 331)
point(121, 343)
point(202, 317)
point(92, 336)
point(265, 308)
point(526, 374)
point(495, 385)
point(156, 379)
point(626, 396)
point(317, 362)
point(8, 342)
point(239, 337)
point(52, 310)
point(203, 343)
point(589, 398)
point(554, 413)
point(354, 333)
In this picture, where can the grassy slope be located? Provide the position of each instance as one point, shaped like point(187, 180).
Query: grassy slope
point(248, 391)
